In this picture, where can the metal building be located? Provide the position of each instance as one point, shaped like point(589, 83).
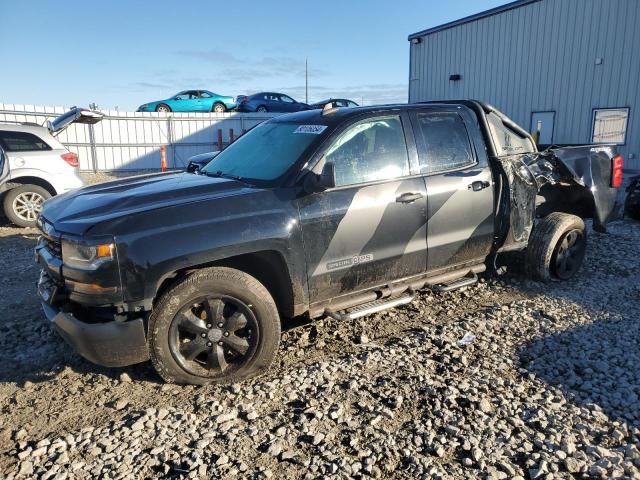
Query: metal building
point(568, 69)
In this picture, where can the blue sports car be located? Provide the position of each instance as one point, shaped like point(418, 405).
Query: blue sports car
point(191, 101)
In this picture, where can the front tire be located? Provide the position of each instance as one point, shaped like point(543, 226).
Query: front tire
point(556, 247)
point(23, 204)
point(219, 108)
point(162, 108)
point(219, 325)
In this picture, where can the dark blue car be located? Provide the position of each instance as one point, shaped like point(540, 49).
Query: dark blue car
point(269, 102)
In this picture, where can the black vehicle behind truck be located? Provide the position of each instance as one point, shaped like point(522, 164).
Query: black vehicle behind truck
point(339, 212)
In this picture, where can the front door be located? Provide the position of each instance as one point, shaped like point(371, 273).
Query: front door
point(370, 228)
point(459, 188)
point(542, 127)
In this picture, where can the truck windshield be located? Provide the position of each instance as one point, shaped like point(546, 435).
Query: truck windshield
point(264, 153)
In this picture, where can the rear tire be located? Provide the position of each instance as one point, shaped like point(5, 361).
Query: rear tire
point(632, 202)
point(219, 108)
point(219, 325)
point(23, 204)
point(261, 109)
point(556, 247)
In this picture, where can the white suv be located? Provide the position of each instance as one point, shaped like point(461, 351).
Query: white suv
point(35, 166)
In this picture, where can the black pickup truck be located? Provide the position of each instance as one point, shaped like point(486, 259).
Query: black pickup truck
point(341, 212)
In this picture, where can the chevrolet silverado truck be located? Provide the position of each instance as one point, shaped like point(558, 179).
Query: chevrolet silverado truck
point(341, 212)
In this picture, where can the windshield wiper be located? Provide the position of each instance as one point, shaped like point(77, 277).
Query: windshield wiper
point(221, 174)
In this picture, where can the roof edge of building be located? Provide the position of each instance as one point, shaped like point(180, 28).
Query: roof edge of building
point(473, 18)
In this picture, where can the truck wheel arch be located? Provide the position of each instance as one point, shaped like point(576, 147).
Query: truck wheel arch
point(268, 267)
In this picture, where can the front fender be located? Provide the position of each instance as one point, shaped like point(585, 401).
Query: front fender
point(155, 245)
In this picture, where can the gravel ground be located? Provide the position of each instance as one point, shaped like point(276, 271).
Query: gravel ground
point(547, 385)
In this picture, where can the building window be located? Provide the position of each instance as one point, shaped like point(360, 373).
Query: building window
point(610, 125)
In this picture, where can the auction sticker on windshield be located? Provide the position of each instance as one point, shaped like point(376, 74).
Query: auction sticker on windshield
point(312, 129)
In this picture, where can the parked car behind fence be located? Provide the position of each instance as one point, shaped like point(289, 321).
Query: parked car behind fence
point(270, 102)
point(191, 101)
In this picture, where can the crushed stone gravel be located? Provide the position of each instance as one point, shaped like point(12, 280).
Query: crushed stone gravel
point(545, 385)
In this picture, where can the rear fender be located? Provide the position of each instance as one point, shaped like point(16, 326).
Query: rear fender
point(578, 180)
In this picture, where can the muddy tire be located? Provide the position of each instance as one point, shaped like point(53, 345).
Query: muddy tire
point(219, 325)
point(556, 247)
point(23, 204)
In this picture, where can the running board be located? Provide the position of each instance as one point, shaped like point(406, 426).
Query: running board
point(456, 284)
point(371, 307)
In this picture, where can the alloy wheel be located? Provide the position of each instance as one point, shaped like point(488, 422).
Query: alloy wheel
point(28, 205)
point(213, 336)
point(569, 254)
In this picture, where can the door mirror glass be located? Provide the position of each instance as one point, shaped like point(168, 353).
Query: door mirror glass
point(318, 183)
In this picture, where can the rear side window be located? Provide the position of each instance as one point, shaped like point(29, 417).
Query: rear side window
point(444, 142)
point(507, 141)
point(370, 150)
point(21, 142)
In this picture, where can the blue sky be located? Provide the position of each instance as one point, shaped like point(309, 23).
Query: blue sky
point(124, 53)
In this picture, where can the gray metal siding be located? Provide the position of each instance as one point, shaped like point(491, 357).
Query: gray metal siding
point(541, 57)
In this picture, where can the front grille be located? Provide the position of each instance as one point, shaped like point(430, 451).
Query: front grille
point(53, 246)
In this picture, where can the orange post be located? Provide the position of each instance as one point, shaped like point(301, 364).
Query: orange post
point(163, 158)
point(230, 135)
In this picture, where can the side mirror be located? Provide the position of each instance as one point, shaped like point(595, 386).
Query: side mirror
point(318, 183)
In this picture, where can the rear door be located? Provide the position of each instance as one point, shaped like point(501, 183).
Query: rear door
point(369, 229)
point(459, 187)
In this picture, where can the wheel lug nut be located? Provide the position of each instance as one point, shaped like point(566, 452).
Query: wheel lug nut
point(203, 335)
point(209, 344)
point(220, 343)
point(220, 325)
point(226, 334)
point(209, 325)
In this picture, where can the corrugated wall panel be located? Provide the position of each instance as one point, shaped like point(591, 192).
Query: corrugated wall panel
point(541, 57)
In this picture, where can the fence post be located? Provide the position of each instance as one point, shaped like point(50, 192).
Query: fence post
point(230, 136)
point(170, 141)
point(219, 139)
point(92, 147)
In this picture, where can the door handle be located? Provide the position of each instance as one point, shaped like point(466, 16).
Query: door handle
point(478, 185)
point(408, 197)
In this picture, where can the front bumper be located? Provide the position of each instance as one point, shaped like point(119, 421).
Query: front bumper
point(110, 344)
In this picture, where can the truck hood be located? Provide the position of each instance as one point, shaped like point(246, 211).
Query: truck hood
point(77, 211)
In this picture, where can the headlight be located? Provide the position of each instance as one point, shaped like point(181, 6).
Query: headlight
point(87, 257)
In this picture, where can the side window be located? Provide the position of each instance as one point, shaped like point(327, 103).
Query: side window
point(368, 151)
point(351, 104)
point(286, 99)
point(182, 96)
point(205, 95)
point(22, 142)
point(444, 142)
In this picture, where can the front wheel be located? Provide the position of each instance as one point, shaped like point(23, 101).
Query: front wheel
point(556, 247)
point(163, 109)
point(23, 204)
point(219, 325)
